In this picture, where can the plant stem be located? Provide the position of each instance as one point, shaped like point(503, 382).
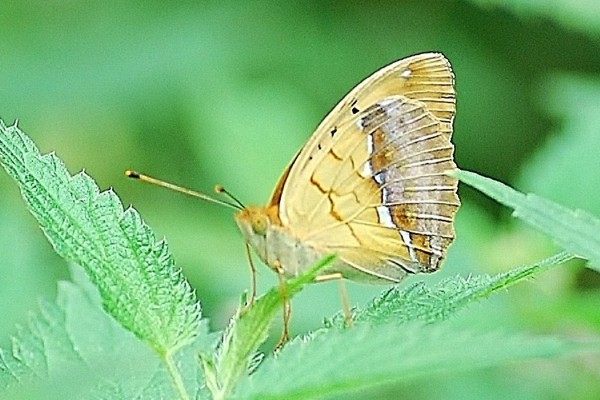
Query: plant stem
point(176, 377)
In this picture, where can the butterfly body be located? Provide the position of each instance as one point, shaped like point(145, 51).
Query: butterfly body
point(276, 245)
point(371, 184)
point(284, 251)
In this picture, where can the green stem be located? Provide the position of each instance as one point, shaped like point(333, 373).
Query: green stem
point(176, 377)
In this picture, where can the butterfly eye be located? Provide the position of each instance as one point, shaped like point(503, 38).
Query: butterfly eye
point(259, 224)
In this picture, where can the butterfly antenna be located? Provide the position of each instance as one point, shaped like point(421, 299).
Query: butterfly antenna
point(221, 189)
point(154, 181)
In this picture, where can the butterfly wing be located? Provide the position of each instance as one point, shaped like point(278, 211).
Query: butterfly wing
point(370, 184)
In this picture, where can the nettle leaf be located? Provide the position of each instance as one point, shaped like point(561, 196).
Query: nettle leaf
point(582, 17)
point(246, 332)
point(562, 167)
point(72, 349)
point(418, 302)
point(401, 336)
point(338, 363)
point(576, 231)
point(135, 275)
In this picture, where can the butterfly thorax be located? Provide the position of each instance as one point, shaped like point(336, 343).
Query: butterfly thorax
point(275, 244)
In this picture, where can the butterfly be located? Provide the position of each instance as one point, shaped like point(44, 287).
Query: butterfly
point(371, 185)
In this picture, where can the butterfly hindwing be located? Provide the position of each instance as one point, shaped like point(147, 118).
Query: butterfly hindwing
point(370, 184)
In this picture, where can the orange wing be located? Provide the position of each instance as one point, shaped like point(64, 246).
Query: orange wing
point(370, 184)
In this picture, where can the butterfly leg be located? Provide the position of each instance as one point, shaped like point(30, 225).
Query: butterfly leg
point(253, 271)
point(249, 302)
point(287, 309)
point(343, 293)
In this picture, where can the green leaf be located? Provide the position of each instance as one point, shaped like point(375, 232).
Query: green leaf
point(419, 302)
point(563, 167)
point(574, 230)
point(72, 349)
point(248, 331)
point(136, 276)
point(338, 363)
point(580, 15)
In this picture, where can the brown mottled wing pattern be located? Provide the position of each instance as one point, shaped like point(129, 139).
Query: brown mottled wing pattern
point(370, 184)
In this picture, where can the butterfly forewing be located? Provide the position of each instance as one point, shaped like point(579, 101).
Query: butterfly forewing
point(370, 184)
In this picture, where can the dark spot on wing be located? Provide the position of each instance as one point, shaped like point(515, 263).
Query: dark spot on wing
point(353, 106)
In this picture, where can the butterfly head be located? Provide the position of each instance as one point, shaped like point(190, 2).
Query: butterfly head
point(255, 223)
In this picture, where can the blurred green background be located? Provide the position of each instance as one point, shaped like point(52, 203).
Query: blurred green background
point(200, 93)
